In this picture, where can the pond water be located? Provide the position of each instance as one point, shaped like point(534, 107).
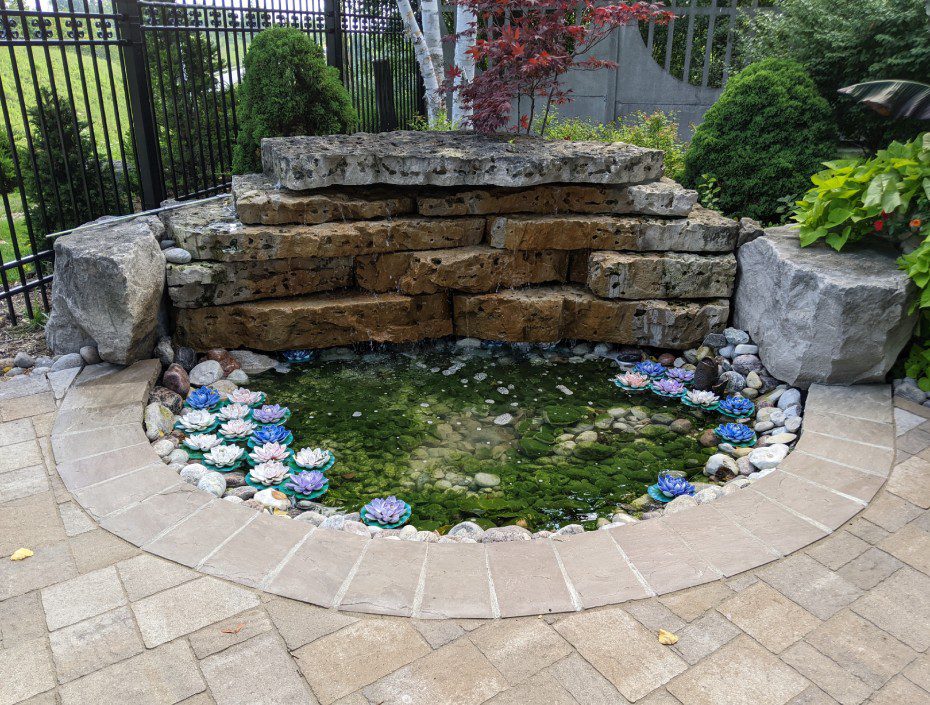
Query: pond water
point(499, 436)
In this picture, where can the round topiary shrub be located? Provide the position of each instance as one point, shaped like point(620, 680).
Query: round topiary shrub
point(287, 90)
point(762, 140)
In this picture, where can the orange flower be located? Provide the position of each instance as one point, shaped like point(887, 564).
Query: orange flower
point(916, 223)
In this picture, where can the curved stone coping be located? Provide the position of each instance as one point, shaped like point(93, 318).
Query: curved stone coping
point(105, 460)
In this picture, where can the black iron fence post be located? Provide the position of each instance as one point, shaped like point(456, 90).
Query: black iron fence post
point(139, 93)
point(334, 40)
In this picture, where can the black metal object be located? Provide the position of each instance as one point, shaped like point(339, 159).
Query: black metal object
point(138, 104)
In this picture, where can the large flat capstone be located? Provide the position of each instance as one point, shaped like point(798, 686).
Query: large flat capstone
point(452, 159)
point(108, 285)
point(819, 315)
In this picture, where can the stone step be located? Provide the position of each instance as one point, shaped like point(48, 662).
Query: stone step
point(648, 275)
point(472, 269)
point(258, 201)
point(702, 231)
point(215, 283)
point(662, 198)
point(211, 231)
point(452, 159)
point(548, 314)
point(316, 321)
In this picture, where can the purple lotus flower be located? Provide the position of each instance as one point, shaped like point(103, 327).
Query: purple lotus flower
point(680, 374)
point(270, 413)
point(650, 369)
point(674, 486)
point(385, 510)
point(307, 482)
point(668, 387)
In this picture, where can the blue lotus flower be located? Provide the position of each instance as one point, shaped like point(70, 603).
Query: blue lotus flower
point(650, 369)
point(306, 483)
point(298, 356)
point(680, 375)
point(386, 511)
point(203, 398)
point(270, 434)
point(674, 486)
point(735, 433)
point(736, 406)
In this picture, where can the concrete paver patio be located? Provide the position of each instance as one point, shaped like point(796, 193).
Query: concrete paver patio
point(92, 618)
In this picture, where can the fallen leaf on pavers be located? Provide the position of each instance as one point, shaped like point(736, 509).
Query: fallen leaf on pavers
point(21, 554)
point(233, 630)
point(667, 638)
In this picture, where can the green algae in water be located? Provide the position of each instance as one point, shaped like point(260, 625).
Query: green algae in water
point(481, 435)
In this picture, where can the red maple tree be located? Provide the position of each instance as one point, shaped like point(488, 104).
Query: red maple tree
point(523, 47)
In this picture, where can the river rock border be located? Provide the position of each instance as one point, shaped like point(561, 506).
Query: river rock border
point(106, 461)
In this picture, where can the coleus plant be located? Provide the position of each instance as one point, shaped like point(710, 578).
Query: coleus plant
point(523, 47)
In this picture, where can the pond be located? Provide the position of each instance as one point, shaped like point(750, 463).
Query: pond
point(497, 435)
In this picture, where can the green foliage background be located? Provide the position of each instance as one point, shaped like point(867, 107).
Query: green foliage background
point(762, 139)
point(287, 90)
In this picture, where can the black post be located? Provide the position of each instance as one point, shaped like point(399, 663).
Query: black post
point(384, 95)
point(140, 103)
point(334, 40)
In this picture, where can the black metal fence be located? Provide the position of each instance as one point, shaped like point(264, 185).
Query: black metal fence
point(110, 106)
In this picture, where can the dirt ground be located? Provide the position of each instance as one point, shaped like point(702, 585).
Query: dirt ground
point(25, 335)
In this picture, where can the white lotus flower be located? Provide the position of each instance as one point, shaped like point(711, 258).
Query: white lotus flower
point(202, 441)
point(701, 398)
point(234, 411)
point(271, 473)
point(311, 457)
point(241, 395)
point(268, 452)
point(223, 456)
point(237, 428)
point(198, 420)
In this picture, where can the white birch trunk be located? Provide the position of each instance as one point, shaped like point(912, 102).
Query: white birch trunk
point(465, 23)
point(421, 48)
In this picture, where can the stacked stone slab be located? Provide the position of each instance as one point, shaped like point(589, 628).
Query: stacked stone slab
point(405, 236)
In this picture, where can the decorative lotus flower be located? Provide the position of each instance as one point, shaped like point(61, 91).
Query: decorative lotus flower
point(680, 374)
point(701, 398)
point(631, 380)
point(234, 411)
point(312, 457)
point(202, 442)
point(241, 395)
point(737, 406)
point(668, 388)
point(270, 451)
point(203, 398)
point(271, 473)
point(307, 483)
point(223, 456)
point(654, 370)
point(199, 420)
point(237, 428)
point(672, 486)
point(736, 433)
point(298, 356)
point(270, 434)
point(270, 413)
point(385, 511)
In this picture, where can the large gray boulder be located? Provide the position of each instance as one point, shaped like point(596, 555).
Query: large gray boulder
point(108, 285)
point(820, 316)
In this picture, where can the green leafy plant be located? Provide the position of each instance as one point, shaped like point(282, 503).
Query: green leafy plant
point(7, 171)
point(287, 90)
point(656, 130)
point(765, 135)
point(708, 191)
point(841, 42)
point(853, 199)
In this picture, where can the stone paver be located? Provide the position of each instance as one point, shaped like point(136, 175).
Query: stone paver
point(93, 619)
